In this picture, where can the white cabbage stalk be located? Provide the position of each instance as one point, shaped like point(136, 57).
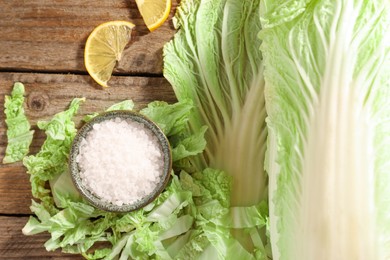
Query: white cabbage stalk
point(328, 103)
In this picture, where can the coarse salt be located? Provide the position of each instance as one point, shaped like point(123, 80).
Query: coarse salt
point(120, 161)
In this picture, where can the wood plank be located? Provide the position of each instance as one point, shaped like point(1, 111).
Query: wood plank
point(48, 94)
point(15, 245)
point(50, 35)
point(15, 190)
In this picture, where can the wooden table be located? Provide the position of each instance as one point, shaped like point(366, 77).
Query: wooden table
point(41, 45)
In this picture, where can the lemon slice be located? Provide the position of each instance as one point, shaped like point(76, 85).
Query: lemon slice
point(154, 12)
point(104, 48)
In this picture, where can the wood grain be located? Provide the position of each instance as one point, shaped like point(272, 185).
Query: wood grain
point(42, 45)
point(15, 245)
point(48, 94)
point(43, 35)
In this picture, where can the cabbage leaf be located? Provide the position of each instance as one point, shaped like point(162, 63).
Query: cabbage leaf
point(191, 218)
point(327, 67)
point(215, 61)
point(51, 160)
point(18, 128)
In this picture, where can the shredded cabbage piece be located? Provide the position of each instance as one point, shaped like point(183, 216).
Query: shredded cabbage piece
point(184, 220)
point(18, 128)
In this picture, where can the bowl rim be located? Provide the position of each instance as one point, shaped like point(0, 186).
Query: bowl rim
point(129, 115)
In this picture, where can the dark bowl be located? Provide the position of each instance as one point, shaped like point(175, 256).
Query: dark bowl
point(126, 115)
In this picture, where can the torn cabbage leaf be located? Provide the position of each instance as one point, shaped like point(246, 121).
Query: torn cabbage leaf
point(18, 128)
point(190, 219)
point(52, 159)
